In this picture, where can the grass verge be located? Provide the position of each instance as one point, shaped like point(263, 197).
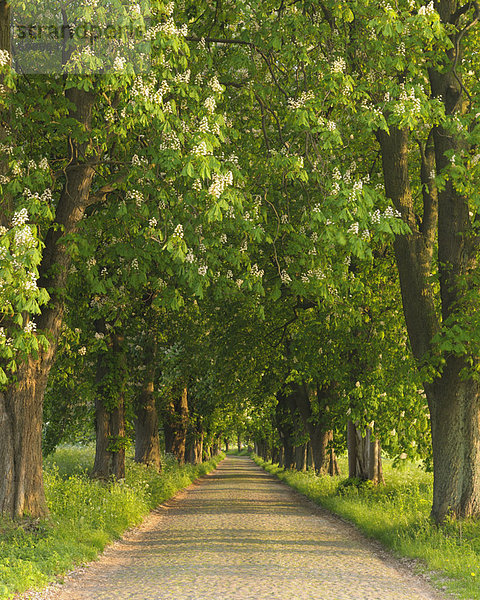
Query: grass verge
point(85, 516)
point(397, 514)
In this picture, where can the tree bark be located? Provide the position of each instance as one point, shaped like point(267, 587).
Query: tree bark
point(283, 421)
point(453, 397)
point(316, 426)
point(176, 425)
point(110, 413)
point(364, 455)
point(147, 438)
point(301, 457)
point(21, 409)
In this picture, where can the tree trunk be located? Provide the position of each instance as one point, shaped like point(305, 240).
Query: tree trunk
point(333, 468)
point(5, 41)
point(316, 426)
point(364, 455)
point(101, 465)
point(456, 443)
point(283, 421)
point(147, 439)
point(198, 448)
point(110, 412)
point(176, 426)
point(453, 397)
point(301, 457)
point(22, 490)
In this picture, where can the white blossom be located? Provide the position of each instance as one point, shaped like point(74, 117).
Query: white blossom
point(339, 65)
point(219, 183)
point(4, 58)
point(20, 217)
point(210, 104)
point(30, 327)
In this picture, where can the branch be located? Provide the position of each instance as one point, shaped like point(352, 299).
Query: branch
point(212, 40)
point(99, 196)
point(264, 128)
point(457, 45)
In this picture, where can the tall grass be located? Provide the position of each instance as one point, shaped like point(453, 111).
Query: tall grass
point(398, 514)
point(85, 516)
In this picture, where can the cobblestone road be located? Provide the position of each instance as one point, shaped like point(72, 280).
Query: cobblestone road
point(241, 534)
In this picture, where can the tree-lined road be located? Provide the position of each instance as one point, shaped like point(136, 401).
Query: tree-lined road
point(241, 534)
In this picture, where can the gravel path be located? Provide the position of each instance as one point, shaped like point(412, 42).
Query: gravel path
point(241, 534)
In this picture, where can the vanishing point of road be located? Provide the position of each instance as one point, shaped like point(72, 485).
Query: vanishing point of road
point(240, 534)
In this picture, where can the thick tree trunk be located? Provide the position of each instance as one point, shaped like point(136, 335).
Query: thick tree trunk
point(283, 421)
point(110, 414)
point(301, 457)
point(21, 410)
point(118, 438)
point(453, 397)
point(364, 455)
point(316, 426)
point(198, 448)
point(333, 468)
point(147, 438)
point(5, 41)
point(176, 419)
point(194, 446)
point(21, 488)
point(102, 463)
point(455, 424)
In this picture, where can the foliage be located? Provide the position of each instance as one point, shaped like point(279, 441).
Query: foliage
point(85, 516)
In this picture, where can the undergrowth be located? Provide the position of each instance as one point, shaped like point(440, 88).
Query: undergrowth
point(85, 516)
point(398, 514)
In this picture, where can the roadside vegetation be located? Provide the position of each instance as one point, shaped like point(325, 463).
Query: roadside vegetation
point(85, 516)
point(398, 515)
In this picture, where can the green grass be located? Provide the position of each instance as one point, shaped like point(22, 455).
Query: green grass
point(85, 516)
point(397, 514)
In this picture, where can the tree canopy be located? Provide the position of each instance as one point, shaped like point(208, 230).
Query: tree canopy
point(258, 219)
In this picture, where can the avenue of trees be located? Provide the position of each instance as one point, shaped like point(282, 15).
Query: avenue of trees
point(265, 233)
